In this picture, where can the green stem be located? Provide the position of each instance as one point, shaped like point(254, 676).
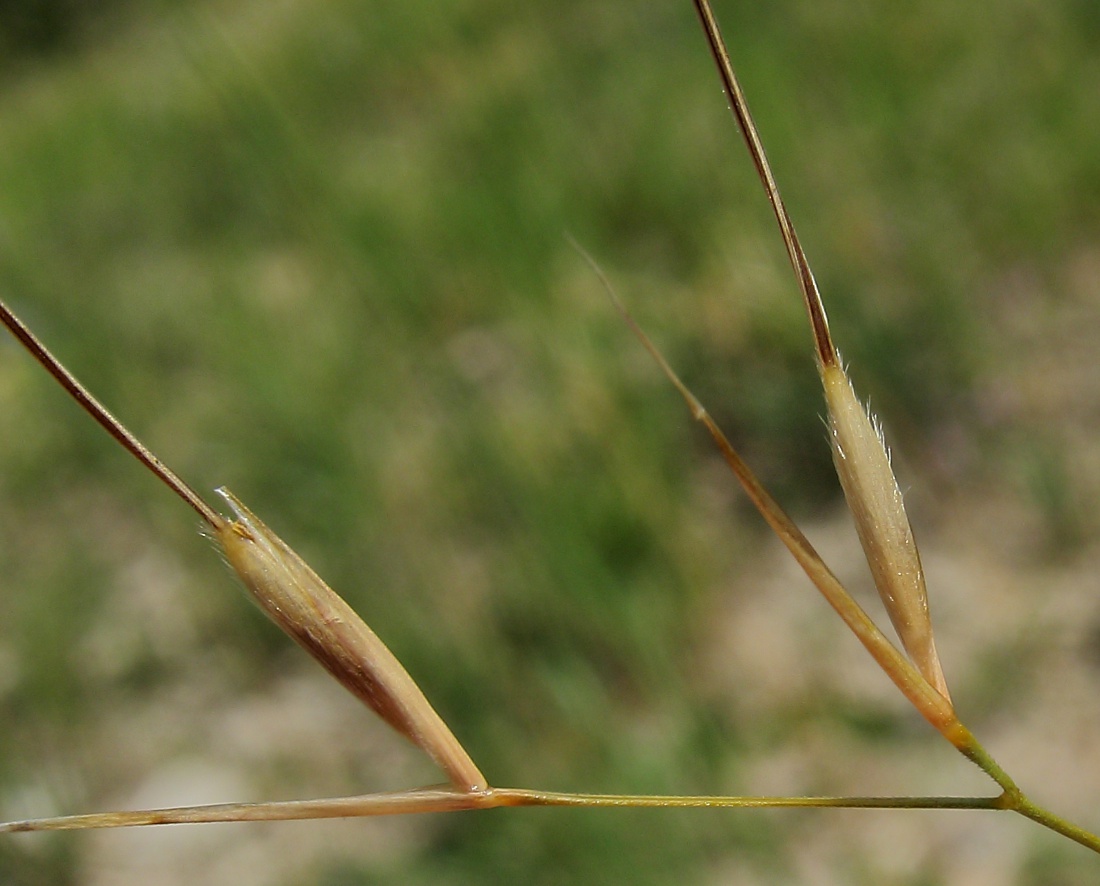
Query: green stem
point(1056, 823)
point(527, 797)
point(1015, 800)
point(451, 799)
point(967, 745)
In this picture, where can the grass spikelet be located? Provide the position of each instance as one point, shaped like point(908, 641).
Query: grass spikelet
point(859, 453)
point(871, 490)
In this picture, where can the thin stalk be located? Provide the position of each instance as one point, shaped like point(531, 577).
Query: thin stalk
point(443, 799)
point(104, 417)
point(932, 705)
point(967, 745)
point(859, 449)
point(1016, 800)
point(917, 687)
point(291, 594)
point(1056, 823)
point(525, 797)
point(823, 344)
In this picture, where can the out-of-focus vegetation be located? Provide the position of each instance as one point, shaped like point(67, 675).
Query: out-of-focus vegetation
point(35, 30)
point(316, 252)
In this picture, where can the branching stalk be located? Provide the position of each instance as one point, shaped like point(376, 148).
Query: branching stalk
point(319, 620)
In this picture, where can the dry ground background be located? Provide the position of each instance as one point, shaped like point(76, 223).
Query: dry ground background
point(315, 251)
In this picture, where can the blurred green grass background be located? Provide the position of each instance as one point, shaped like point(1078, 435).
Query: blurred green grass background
point(317, 252)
